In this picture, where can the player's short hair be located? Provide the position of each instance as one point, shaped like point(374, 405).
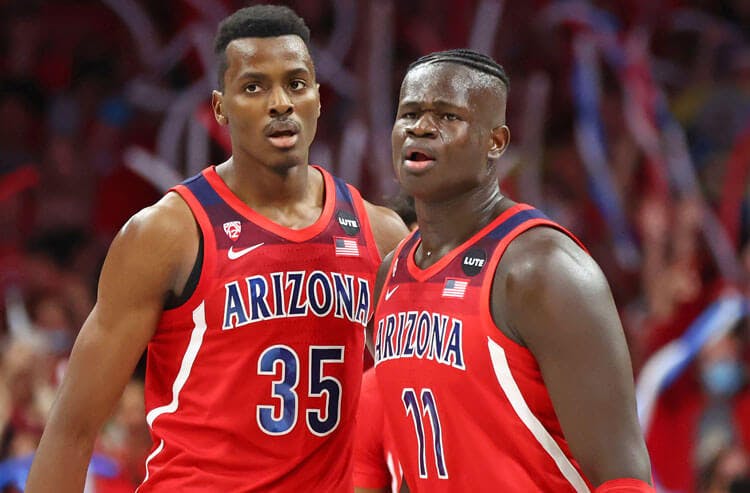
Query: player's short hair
point(469, 58)
point(258, 21)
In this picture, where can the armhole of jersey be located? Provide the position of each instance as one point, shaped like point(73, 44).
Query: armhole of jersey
point(209, 247)
point(497, 255)
point(359, 206)
point(174, 301)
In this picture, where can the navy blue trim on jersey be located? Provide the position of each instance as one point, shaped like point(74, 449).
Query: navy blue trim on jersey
point(202, 190)
point(342, 191)
point(410, 243)
point(504, 228)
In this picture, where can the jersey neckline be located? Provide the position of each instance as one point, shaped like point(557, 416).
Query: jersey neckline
point(421, 274)
point(295, 235)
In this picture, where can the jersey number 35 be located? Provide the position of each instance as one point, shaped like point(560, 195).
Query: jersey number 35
point(281, 419)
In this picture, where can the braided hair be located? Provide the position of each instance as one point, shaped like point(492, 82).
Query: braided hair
point(469, 58)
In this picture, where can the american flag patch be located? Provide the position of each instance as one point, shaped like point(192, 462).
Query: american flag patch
point(454, 288)
point(346, 247)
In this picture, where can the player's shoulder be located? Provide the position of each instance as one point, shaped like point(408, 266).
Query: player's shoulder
point(381, 213)
point(543, 260)
point(387, 226)
point(543, 271)
point(540, 250)
point(374, 212)
point(166, 219)
point(163, 227)
point(152, 249)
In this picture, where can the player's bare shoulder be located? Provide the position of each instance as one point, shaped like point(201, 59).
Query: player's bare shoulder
point(387, 227)
point(540, 267)
point(541, 252)
point(160, 241)
point(166, 225)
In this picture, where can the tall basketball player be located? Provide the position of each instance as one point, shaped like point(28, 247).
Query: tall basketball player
point(498, 349)
point(251, 285)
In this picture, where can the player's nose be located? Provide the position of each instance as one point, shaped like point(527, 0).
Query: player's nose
point(424, 126)
point(279, 103)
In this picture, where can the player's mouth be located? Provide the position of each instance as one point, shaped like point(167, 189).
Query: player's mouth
point(282, 134)
point(418, 159)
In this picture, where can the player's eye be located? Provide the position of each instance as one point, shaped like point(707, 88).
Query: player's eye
point(297, 84)
point(450, 117)
point(409, 115)
point(252, 88)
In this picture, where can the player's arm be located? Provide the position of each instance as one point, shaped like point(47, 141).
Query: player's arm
point(380, 278)
point(147, 258)
point(387, 227)
point(371, 473)
point(553, 298)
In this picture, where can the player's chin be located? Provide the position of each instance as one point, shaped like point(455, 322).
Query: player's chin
point(283, 164)
point(412, 184)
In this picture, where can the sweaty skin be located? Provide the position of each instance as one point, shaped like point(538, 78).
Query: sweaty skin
point(548, 294)
point(267, 80)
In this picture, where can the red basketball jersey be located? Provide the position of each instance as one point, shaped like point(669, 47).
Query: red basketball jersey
point(467, 405)
point(375, 461)
point(253, 383)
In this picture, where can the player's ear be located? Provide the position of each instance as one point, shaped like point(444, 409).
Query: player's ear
point(217, 99)
point(500, 137)
point(317, 94)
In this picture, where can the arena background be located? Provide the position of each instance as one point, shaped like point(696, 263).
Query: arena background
point(630, 125)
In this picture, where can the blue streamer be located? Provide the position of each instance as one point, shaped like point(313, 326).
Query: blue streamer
point(15, 471)
point(592, 145)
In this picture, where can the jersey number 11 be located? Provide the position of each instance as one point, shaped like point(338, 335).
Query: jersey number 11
point(428, 407)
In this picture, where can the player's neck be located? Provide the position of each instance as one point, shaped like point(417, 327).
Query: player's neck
point(262, 186)
point(446, 224)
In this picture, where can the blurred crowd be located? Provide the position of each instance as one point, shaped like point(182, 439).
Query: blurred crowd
point(630, 122)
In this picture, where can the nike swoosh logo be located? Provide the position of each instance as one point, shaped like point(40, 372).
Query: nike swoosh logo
point(390, 292)
point(235, 254)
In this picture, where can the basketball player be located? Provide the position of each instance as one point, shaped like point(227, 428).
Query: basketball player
point(251, 285)
point(376, 467)
point(499, 353)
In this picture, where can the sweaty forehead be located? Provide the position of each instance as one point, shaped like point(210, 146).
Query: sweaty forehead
point(449, 82)
point(264, 53)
